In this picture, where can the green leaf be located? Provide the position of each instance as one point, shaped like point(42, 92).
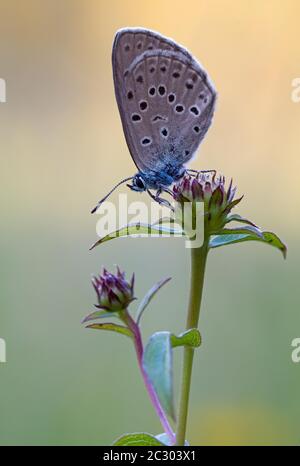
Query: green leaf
point(267, 237)
point(223, 240)
point(241, 230)
point(163, 220)
point(190, 338)
point(112, 327)
point(99, 315)
point(137, 439)
point(148, 297)
point(158, 364)
point(240, 219)
point(232, 205)
point(138, 229)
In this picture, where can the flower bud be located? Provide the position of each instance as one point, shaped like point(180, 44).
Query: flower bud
point(206, 187)
point(113, 291)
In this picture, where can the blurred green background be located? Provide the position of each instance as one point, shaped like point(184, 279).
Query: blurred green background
point(62, 148)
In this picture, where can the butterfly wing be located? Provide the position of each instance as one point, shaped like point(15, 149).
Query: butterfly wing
point(165, 99)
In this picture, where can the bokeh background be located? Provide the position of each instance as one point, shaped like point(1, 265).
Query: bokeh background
point(62, 148)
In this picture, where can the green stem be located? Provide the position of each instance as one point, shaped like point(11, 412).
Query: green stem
point(198, 262)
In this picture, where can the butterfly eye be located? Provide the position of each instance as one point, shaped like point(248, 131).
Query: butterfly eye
point(139, 183)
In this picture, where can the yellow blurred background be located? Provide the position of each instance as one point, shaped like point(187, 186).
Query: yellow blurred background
point(62, 148)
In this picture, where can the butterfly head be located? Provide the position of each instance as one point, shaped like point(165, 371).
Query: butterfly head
point(138, 183)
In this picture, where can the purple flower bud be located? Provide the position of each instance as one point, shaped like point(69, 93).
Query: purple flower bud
point(188, 189)
point(197, 190)
point(210, 189)
point(114, 292)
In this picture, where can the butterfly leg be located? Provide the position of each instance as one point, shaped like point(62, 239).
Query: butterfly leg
point(168, 191)
point(190, 170)
point(209, 171)
point(156, 197)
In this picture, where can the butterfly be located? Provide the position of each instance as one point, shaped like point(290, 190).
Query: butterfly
point(166, 103)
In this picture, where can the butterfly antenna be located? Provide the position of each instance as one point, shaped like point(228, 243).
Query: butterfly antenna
point(107, 195)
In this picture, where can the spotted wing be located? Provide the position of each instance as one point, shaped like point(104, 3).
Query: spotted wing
point(165, 98)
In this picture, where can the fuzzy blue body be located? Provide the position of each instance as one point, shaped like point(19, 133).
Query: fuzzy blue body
point(162, 175)
point(155, 179)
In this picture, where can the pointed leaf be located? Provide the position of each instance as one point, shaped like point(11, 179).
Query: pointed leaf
point(241, 230)
point(137, 439)
point(274, 240)
point(138, 229)
point(268, 238)
point(223, 240)
point(112, 327)
point(240, 219)
point(99, 315)
point(158, 364)
point(217, 197)
point(169, 224)
point(190, 338)
point(148, 297)
point(232, 204)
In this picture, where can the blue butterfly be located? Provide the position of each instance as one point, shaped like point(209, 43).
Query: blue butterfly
point(166, 103)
